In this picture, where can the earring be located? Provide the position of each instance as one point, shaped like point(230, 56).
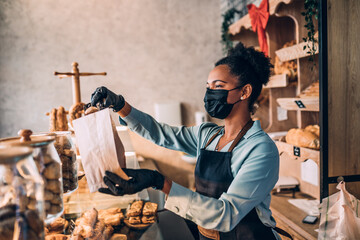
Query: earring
point(242, 98)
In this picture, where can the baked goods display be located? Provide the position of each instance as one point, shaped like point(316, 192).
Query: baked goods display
point(50, 170)
point(308, 137)
point(92, 225)
point(58, 119)
point(66, 151)
point(289, 67)
point(48, 166)
point(141, 215)
point(28, 221)
point(89, 226)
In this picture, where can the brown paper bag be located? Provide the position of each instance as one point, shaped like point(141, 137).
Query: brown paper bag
point(100, 147)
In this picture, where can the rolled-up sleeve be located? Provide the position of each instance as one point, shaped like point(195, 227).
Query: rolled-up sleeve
point(180, 138)
point(252, 184)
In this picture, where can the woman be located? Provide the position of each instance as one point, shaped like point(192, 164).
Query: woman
point(237, 164)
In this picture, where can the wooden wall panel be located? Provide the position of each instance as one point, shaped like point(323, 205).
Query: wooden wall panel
point(344, 88)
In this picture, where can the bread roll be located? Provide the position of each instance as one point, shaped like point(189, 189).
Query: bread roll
point(302, 138)
point(315, 129)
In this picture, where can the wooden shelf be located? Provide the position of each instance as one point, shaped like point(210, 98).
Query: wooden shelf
point(277, 81)
point(245, 21)
point(294, 52)
point(304, 153)
point(303, 104)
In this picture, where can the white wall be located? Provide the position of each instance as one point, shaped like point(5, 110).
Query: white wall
point(152, 50)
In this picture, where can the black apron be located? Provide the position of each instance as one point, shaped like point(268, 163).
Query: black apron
point(213, 177)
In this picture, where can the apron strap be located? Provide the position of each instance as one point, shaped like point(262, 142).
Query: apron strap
point(241, 134)
point(243, 131)
point(212, 138)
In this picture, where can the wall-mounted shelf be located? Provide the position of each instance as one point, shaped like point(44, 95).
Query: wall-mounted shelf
point(302, 104)
point(300, 153)
point(277, 81)
point(295, 52)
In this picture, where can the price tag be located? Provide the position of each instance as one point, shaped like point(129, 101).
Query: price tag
point(297, 151)
point(300, 104)
point(281, 114)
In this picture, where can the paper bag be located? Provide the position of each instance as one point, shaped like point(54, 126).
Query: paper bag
point(100, 147)
point(340, 216)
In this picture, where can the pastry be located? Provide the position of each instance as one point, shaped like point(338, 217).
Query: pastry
point(98, 230)
point(315, 129)
point(54, 186)
point(112, 216)
point(135, 209)
point(52, 119)
point(76, 111)
point(118, 236)
point(61, 119)
point(148, 219)
point(289, 67)
point(311, 91)
point(149, 208)
point(85, 224)
point(135, 220)
point(91, 110)
point(58, 119)
point(108, 231)
point(58, 226)
point(57, 236)
point(52, 171)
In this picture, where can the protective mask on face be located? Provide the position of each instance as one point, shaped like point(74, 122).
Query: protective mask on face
point(216, 102)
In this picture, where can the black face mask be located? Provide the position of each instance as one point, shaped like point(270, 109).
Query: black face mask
point(216, 102)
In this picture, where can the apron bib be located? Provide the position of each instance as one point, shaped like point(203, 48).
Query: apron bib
point(213, 177)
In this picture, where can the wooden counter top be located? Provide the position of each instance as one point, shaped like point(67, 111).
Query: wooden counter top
point(289, 217)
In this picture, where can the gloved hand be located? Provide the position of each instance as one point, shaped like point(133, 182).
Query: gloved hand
point(140, 179)
point(116, 102)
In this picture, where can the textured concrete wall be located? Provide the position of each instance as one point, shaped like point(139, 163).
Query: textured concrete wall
point(152, 50)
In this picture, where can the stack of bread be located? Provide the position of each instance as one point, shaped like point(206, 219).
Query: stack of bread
point(142, 213)
point(308, 137)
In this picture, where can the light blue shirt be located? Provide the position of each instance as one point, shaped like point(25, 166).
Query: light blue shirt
point(254, 165)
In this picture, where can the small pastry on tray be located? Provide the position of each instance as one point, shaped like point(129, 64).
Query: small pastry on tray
point(135, 209)
point(149, 209)
point(148, 219)
point(135, 220)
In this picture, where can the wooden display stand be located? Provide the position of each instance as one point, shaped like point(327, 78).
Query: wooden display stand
point(286, 24)
point(75, 74)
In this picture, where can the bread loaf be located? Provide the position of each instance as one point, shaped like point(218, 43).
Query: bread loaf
point(315, 129)
point(302, 138)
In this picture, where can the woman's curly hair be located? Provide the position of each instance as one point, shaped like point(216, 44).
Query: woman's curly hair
point(250, 66)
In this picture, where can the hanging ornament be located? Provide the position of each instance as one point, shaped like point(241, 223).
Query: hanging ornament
point(259, 17)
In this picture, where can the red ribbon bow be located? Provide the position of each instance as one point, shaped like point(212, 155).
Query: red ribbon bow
point(259, 17)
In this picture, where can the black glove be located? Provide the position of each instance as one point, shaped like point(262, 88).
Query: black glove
point(111, 100)
point(140, 179)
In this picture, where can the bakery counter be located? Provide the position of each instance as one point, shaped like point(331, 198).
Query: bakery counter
point(289, 217)
point(109, 216)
